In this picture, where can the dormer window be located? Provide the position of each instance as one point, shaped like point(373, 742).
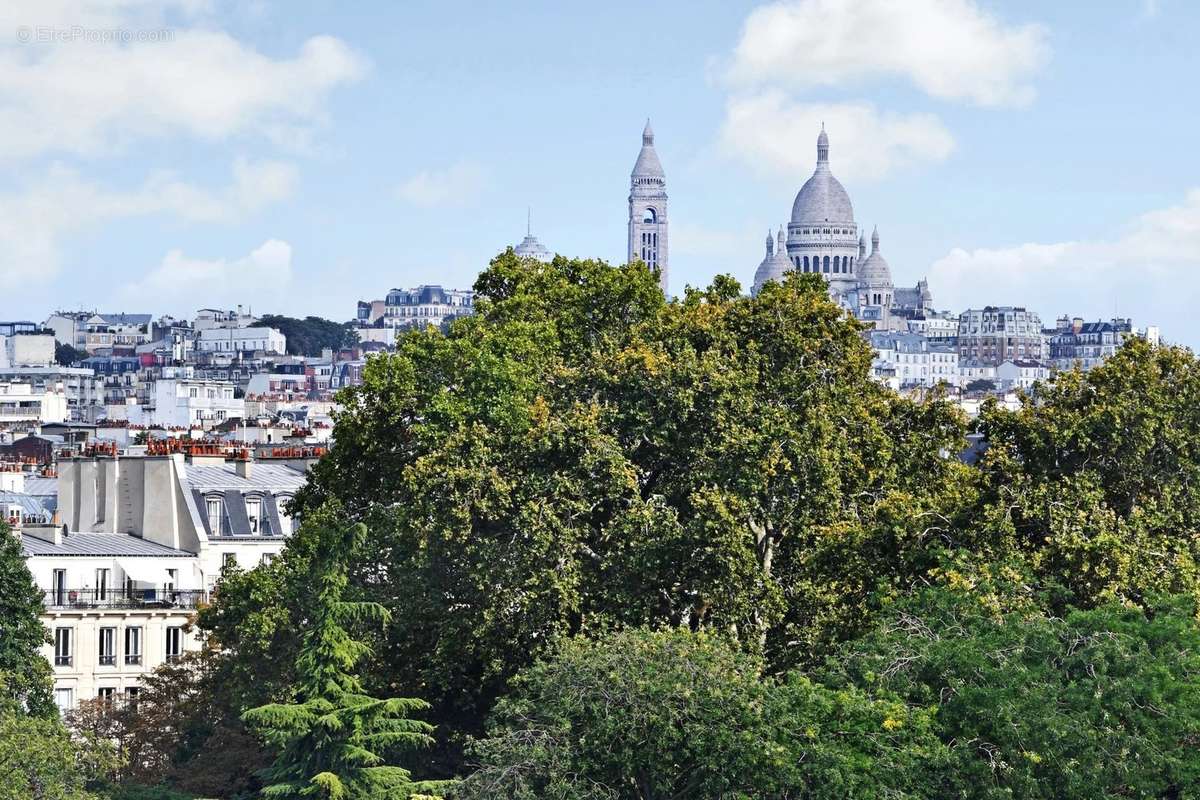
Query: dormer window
point(254, 514)
point(216, 513)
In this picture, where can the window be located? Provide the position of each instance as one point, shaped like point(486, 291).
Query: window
point(133, 645)
point(215, 513)
point(267, 558)
point(174, 643)
point(108, 646)
point(285, 521)
point(62, 647)
point(253, 512)
point(64, 699)
point(59, 587)
point(229, 560)
point(103, 579)
point(106, 695)
point(193, 392)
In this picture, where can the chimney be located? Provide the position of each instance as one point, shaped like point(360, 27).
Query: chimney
point(243, 465)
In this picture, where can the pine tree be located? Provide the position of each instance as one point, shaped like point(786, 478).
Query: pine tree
point(329, 740)
point(24, 671)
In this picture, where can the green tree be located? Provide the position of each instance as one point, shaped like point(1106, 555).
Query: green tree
point(331, 739)
point(981, 385)
point(24, 671)
point(1097, 482)
point(40, 760)
point(182, 735)
point(66, 355)
point(581, 453)
point(1099, 703)
point(645, 715)
point(311, 335)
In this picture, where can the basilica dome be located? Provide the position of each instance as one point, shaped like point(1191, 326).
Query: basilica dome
point(773, 266)
point(874, 270)
point(822, 199)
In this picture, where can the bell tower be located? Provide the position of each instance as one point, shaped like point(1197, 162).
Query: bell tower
point(648, 209)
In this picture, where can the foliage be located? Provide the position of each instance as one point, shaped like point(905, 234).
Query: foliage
point(311, 335)
point(40, 760)
point(182, 733)
point(644, 715)
point(1097, 482)
point(66, 355)
point(981, 385)
point(1101, 703)
point(331, 739)
point(580, 453)
point(24, 671)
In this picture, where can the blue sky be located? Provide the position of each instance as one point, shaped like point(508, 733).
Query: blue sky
point(298, 157)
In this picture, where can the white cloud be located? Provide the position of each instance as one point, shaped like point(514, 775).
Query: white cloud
point(776, 136)
point(455, 186)
point(266, 271)
point(33, 223)
point(949, 49)
point(86, 97)
point(1150, 269)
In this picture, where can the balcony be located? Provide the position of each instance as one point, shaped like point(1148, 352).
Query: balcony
point(151, 598)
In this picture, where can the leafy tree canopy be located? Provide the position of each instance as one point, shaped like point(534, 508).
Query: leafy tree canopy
point(309, 336)
point(1097, 481)
point(581, 453)
point(1099, 703)
point(66, 355)
point(645, 715)
point(40, 759)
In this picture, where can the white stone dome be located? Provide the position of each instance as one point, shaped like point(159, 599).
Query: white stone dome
point(773, 266)
point(822, 199)
point(874, 270)
point(530, 247)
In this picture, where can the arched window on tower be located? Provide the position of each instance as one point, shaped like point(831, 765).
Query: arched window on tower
point(825, 265)
point(806, 263)
point(648, 216)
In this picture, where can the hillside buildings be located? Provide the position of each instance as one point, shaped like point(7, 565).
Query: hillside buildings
point(995, 334)
point(233, 340)
point(380, 320)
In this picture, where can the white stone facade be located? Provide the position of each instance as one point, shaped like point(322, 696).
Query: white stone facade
point(231, 340)
point(21, 404)
point(187, 403)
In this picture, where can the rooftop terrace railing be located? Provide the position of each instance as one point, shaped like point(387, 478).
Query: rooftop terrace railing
point(148, 598)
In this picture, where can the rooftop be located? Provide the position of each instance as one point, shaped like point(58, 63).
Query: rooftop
point(99, 544)
point(263, 476)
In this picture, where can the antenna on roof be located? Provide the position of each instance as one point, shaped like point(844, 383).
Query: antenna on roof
point(528, 220)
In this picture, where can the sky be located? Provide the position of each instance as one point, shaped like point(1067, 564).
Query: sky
point(297, 157)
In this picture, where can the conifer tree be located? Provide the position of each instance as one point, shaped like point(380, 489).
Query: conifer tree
point(331, 738)
point(24, 671)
